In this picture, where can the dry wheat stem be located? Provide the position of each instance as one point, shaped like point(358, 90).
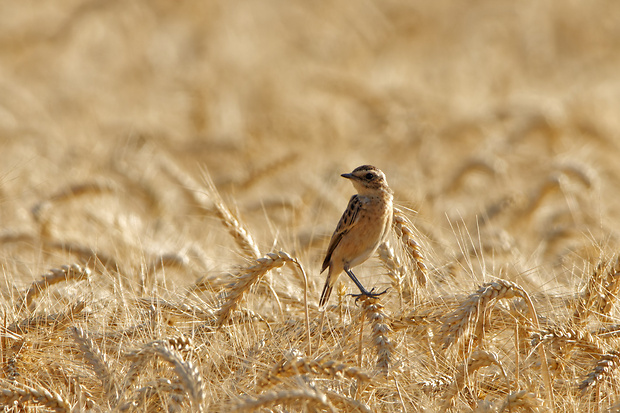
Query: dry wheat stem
point(56, 275)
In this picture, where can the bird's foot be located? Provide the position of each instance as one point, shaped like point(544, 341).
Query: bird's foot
point(368, 294)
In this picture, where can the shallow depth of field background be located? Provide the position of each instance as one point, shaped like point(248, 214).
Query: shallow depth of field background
point(497, 121)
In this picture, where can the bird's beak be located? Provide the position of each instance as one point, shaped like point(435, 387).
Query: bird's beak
point(348, 176)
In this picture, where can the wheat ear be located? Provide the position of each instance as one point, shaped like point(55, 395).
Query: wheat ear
point(349, 404)
point(187, 372)
point(472, 310)
point(295, 364)
point(212, 201)
point(521, 400)
point(566, 336)
point(477, 360)
point(310, 397)
point(249, 276)
point(26, 394)
point(240, 234)
point(477, 304)
point(168, 350)
point(13, 356)
point(151, 389)
point(39, 211)
point(605, 366)
point(56, 275)
point(96, 359)
point(395, 268)
point(404, 230)
point(373, 311)
point(601, 291)
point(57, 321)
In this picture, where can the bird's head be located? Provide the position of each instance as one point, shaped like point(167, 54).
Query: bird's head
point(367, 179)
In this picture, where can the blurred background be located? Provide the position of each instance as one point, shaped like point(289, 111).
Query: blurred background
point(496, 120)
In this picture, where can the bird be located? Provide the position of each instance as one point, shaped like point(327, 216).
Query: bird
point(364, 225)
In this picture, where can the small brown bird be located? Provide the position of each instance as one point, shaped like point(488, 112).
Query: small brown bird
point(363, 226)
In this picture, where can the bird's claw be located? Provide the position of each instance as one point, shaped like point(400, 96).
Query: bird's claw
point(369, 294)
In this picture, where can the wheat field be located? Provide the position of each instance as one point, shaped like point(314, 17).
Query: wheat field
point(169, 181)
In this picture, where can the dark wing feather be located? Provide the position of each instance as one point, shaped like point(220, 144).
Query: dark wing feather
point(347, 221)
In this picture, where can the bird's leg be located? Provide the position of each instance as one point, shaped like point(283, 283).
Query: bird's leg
point(363, 290)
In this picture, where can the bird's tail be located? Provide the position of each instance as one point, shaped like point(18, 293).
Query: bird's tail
point(327, 290)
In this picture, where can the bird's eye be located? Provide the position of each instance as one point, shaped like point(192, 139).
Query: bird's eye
point(370, 175)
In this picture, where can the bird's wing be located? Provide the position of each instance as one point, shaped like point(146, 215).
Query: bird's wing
point(347, 221)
